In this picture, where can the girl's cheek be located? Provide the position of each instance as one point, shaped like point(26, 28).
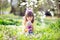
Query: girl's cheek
point(27, 19)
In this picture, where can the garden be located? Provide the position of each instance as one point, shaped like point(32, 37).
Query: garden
point(11, 29)
point(46, 19)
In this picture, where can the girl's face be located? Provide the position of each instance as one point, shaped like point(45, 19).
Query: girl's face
point(29, 18)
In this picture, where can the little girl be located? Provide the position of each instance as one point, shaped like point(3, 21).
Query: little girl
point(28, 22)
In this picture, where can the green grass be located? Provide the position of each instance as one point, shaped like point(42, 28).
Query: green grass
point(49, 31)
point(10, 20)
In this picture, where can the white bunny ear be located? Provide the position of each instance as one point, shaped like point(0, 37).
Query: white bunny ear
point(29, 9)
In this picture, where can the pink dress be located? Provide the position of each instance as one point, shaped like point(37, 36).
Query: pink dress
point(29, 27)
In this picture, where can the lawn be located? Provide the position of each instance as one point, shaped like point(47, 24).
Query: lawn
point(11, 29)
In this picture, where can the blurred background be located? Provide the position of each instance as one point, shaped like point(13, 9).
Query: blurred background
point(46, 16)
point(18, 7)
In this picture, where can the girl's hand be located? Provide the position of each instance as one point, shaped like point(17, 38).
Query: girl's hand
point(29, 23)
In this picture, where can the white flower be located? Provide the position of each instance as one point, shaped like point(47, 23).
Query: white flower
point(31, 3)
point(34, 14)
point(22, 4)
point(35, 5)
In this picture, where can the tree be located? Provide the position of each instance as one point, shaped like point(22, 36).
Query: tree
point(3, 5)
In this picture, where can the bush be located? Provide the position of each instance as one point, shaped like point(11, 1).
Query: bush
point(10, 20)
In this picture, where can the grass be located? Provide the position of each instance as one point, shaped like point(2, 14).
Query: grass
point(10, 20)
point(49, 31)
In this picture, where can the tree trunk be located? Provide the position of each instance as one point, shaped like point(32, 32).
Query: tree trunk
point(12, 8)
point(58, 6)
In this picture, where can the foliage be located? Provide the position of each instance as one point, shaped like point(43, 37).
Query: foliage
point(4, 4)
point(10, 20)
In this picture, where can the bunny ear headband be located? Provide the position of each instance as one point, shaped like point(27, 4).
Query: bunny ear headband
point(29, 10)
